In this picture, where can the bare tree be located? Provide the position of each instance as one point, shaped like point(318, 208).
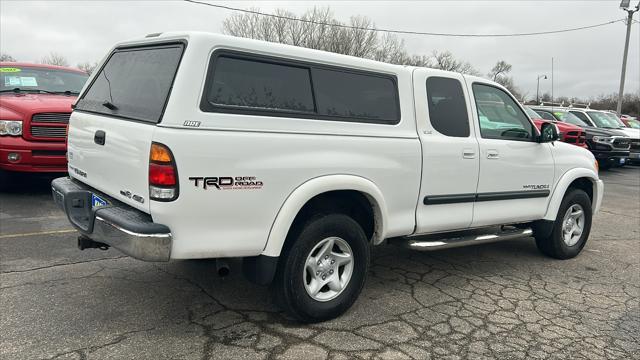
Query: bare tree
point(507, 81)
point(318, 29)
point(502, 68)
point(446, 61)
point(54, 59)
point(7, 57)
point(87, 67)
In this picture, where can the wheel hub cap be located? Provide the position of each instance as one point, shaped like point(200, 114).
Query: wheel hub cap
point(328, 269)
point(573, 225)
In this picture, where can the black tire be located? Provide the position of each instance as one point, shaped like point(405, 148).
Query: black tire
point(604, 164)
point(289, 288)
point(554, 245)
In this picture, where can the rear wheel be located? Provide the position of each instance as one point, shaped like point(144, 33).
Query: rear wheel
point(323, 268)
point(570, 229)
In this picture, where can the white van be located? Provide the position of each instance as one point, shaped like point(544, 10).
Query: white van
point(197, 145)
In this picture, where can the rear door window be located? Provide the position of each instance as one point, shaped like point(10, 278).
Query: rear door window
point(447, 107)
point(134, 83)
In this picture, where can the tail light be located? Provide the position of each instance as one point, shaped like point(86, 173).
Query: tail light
point(163, 174)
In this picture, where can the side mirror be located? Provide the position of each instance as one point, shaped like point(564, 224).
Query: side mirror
point(548, 133)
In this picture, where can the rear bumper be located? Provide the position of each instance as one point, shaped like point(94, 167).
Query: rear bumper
point(34, 156)
point(118, 225)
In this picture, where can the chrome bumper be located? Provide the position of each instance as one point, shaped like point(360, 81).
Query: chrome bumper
point(118, 225)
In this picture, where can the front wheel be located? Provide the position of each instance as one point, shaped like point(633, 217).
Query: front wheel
point(323, 268)
point(570, 229)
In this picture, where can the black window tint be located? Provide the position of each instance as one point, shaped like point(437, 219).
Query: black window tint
point(546, 115)
point(500, 116)
point(351, 95)
point(255, 84)
point(136, 81)
point(581, 116)
point(447, 108)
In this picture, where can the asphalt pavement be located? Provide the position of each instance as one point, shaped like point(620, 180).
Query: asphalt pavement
point(502, 300)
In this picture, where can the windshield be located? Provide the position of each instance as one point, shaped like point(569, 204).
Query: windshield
point(532, 114)
point(615, 118)
point(602, 120)
point(568, 117)
point(634, 124)
point(40, 79)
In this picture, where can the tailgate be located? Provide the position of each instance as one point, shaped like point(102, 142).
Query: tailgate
point(111, 129)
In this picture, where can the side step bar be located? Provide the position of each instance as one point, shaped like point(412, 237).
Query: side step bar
point(434, 242)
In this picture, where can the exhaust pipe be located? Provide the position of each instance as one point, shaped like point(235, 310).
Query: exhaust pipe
point(222, 268)
point(86, 243)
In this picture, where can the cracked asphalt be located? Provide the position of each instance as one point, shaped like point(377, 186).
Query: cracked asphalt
point(502, 300)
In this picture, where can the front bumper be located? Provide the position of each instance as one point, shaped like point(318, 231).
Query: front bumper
point(599, 194)
point(35, 156)
point(612, 157)
point(116, 224)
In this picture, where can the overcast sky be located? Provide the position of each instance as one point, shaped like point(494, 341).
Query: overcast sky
point(587, 62)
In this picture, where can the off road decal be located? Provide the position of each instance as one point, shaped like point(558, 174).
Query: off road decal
point(227, 182)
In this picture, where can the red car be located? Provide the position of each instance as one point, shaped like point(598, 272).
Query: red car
point(631, 122)
point(35, 105)
point(569, 133)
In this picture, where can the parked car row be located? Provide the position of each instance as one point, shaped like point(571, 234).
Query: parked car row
point(36, 100)
point(35, 105)
point(605, 134)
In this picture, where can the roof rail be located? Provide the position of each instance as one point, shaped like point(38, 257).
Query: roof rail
point(578, 105)
point(552, 104)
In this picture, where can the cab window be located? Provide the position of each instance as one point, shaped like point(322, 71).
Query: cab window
point(500, 116)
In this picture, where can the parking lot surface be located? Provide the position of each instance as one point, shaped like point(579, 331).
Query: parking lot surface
point(503, 300)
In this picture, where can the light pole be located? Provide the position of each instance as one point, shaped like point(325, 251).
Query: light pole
point(624, 5)
point(538, 88)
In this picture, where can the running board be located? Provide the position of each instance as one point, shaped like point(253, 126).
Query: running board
point(456, 239)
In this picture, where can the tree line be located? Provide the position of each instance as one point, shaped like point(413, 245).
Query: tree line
point(318, 29)
point(54, 58)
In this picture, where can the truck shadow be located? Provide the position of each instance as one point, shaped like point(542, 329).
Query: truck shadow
point(27, 183)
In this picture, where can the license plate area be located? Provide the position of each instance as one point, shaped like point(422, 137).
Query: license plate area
point(97, 201)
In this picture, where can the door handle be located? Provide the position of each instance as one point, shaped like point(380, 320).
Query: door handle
point(493, 154)
point(468, 154)
point(99, 137)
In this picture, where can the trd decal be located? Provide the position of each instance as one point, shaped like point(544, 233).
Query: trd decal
point(227, 182)
point(535, 187)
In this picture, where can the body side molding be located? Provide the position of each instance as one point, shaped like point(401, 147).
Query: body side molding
point(490, 196)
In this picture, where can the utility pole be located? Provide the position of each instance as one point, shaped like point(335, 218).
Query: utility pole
point(624, 5)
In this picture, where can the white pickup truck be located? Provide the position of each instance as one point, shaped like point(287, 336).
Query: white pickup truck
point(196, 145)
